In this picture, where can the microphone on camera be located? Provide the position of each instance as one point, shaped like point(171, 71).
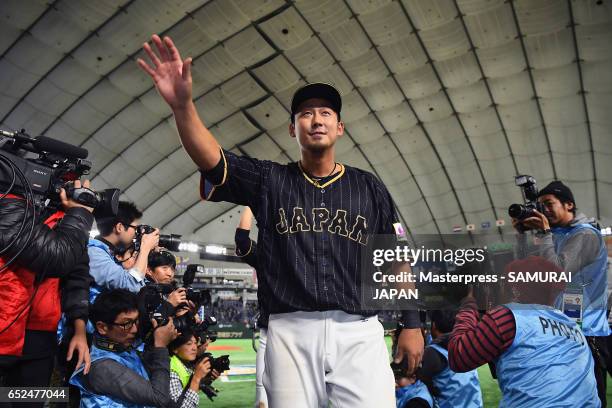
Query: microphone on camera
point(50, 145)
point(47, 144)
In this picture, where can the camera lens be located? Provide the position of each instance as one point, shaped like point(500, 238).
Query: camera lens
point(517, 211)
point(171, 241)
point(183, 323)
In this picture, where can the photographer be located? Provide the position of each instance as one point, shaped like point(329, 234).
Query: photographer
point(160, 288)
point(161, 270)
point(119, 375)
point(574, 244)
point(50, 274)
point(540, 355)
point(116, 237)
point(448, 388)
point(185, 373)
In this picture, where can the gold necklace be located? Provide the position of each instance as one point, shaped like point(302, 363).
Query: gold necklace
point(316, 182)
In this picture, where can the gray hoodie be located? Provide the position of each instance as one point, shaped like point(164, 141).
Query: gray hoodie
point(581, 249)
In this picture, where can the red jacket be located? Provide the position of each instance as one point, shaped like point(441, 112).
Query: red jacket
point(16, 289)
point(54, 250)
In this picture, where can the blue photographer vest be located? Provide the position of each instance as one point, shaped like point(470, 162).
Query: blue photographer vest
point(456, 389)
point(409, 392)
point(548, 364)
point(592, 280)
point(130, 359)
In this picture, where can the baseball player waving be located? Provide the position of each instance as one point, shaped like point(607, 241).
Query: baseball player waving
point(314, 217)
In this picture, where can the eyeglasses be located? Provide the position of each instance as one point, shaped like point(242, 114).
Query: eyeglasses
point(127, 325)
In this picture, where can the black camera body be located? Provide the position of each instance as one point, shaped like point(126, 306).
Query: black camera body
point(200, 330)
point(153, 306)
point(220, 364)
point(197, 296)
point(529, 190)
point(55, 166)
point(170, 242)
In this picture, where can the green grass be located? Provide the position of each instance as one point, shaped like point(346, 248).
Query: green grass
point(239, 391)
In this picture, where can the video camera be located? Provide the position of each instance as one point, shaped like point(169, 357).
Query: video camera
point(221, 364)
point(170, 242)
point(530, 196)
point(55, 166)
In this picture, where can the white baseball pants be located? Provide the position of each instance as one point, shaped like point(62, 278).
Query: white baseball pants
point(261, 400)
point(314, 359)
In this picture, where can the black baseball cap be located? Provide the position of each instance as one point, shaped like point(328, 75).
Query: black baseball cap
point(316, 90)
point(559, 190)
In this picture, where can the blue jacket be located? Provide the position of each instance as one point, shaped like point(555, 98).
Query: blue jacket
point(107, 273)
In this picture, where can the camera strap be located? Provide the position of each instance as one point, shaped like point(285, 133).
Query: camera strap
point(108, 345)
point(179, 403)
point(110, 246)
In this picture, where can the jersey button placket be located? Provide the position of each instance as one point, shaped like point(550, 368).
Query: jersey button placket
point(324, 239)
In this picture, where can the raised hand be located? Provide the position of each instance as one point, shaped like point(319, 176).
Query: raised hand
point(172, 77)
point(171, 74)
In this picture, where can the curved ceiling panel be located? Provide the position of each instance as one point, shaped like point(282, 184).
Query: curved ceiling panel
point(445, 101)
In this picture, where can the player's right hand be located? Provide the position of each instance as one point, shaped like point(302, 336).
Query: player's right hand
point(410, 345)
point(171, 74)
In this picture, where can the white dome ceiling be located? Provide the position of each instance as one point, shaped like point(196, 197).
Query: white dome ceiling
point(445, 101)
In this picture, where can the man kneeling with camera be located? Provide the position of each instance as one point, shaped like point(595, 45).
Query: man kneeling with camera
point(120, 376)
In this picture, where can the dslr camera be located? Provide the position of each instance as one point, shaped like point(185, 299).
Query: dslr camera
point(152, 306)
point(197, 296)
point(221, 364)
point(38, 168)
point(170, 242)
point(530, 196)
point(188, 322)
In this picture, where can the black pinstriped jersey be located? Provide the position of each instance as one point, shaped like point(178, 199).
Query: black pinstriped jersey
point(311, 232)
